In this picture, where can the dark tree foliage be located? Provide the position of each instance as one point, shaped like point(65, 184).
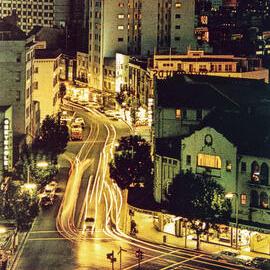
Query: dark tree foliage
point(201, 200)
point(29, 160)
point(62, 91)
point(132, 162)
point(18, 204)
point(53, 136)
point(120, 97)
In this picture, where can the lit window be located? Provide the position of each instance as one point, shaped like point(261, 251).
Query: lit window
point(120, 27)
point(178, 5)
point(121, 16)
point(209, 161)
point(121, 4)
point(178, 113)
point(243, 199)
point(228, 166)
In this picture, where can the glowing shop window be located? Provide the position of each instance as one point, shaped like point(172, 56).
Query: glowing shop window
point(243, 199)
point(177, 113)
point(209, 161)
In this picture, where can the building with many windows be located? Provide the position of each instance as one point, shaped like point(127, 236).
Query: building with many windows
point(46, 88)
point(126, 27)
point(29, 14)
point(16, 65)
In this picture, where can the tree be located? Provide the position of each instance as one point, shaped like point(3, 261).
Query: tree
point(62, 91)
point(30, 159)
point(199, 199)
point(120, 97)
point(53, 136)
point(132, 162)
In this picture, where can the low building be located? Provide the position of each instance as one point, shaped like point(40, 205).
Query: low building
point(46, 87)
point(197, 62)
point(203, 127)
point(6, 140)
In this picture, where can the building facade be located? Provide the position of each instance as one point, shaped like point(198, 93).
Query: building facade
point(46, 88)
point(16, 65)
point(126, 27)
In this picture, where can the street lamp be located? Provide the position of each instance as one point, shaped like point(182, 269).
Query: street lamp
point(31, 186)
point(230, 195)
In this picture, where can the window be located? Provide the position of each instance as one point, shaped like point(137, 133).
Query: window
point(120, 27)
point(177, 16)
point(178, 5)
point(264, 200)
point(243, 167)
point(188, 160)
point(255, 171)
point(177, 26)
point(199, 114)
point(35, 85)
point(120, 39)
point(228, 166)
point(209, 161)
point(254, 198)
point(178, 113)
point(184, 114)
point(18, 76)
point(121, 4)
point(177, 38)
point(243, 199)
point(18, 58)
point(121, 16)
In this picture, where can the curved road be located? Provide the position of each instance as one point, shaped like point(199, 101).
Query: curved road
point(89, 192)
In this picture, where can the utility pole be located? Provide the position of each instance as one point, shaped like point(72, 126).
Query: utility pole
point(110, 256)
point(139, 255)
point(120, 255)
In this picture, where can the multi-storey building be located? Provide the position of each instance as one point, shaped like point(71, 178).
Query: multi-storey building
point(37, 12)
point(126, 27)
point(46, 88)
point(16, 65)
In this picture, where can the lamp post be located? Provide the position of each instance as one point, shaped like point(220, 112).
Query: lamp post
point(41, 164)
point(230, 195)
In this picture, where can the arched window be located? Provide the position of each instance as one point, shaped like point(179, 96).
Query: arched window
point(264, 203)
point(255, 171)
point(254, 198)
point(264, 174)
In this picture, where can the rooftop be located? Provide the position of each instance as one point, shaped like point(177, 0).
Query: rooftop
point(10, 32)
point(47, 54)
point(183, 91)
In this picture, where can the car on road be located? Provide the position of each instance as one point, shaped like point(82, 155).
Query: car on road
point(226, 255)
point(89, 224)
point(80, 121)
point(45, 201)
point(91, 106)
point(83, 102)
point(243, 260)
point(260, 262)
point(74, 99)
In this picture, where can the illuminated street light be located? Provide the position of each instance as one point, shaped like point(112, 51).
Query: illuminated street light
point(230, 196)
point(41, 164)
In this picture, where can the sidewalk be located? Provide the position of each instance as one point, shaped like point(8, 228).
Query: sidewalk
point(147, 232)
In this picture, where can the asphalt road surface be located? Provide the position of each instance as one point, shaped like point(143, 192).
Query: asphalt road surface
point(57, 239)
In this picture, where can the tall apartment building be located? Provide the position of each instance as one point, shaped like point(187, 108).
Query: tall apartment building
point(16, 63)
point(136, 27)
point(29, 14)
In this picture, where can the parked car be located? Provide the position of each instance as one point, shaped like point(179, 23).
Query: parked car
point(226, 255)
point(74, 99)
point(83, 102)
point(80, 121)
point(88, 224)
point(109, 113)
point(260, 262)
point(91, 106)
point(45, 201)
point(243, 260)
